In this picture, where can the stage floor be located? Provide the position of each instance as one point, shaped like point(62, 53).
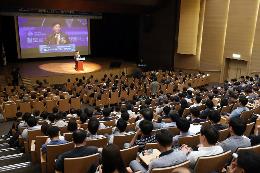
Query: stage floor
point(56, 71)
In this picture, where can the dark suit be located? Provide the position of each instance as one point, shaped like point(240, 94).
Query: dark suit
point(52, 39)
point(76, 152)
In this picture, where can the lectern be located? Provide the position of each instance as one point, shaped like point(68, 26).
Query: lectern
point(79, 64)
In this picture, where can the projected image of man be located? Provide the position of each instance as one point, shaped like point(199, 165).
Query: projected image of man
point(57, 37)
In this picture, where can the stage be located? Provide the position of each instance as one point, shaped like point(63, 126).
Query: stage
point(58, 71)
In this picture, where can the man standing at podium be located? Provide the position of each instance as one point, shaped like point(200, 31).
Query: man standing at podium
point(79, 61)
point(77, 55)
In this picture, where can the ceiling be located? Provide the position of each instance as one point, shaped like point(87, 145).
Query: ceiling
point(101, 6)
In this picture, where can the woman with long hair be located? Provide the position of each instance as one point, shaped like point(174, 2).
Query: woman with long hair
point(112, 161)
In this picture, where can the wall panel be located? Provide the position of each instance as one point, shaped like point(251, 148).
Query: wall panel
point(188, 26)
point(255, 58)
point(213, 39)
point(240, 28)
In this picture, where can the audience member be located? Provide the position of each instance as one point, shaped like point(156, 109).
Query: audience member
point(237, 128)
point(208, 139)
point(80, 150)
point(168, 156)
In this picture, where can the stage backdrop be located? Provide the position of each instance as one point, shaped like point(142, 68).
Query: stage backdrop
point(52, 36)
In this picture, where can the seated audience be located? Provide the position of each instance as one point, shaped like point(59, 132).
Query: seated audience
point(106, 115)
point(59, 120)
point(32, 125)
point(208, 139)
point(183, 125)
point(72, 125)
point(237, 128)
point(209, 107)
point(80, 150)
point(195, 115)
point(215, 118)
point(245, 162)
point(93, 126)
point(145, 131)
point(119, 130)
point(23, 123)
point(54, 135)
point(241, 108)
point(174, 117)
point(166, 111)
point(168, 156)
point(197, 102)
point(112, 161)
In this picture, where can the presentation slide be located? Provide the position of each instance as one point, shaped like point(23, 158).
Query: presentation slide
point(52, 36)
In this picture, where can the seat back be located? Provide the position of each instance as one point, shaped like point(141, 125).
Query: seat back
point(67, 136)
point(32, 136)
point(64, 105)
point(53, 151)
point(129, 154)
point(120, 140)
point(105, 131)
point(130, 127)
point(10, 110)
point(38, 105)
point(255, 149)
point(39, 141)
point(246, 115)
point(174, 130)
point(25, 107)
point(110, 123)
point(80, 164)
point(151, 146)
point(50, 104)
point(223, 134)
point(214, 163)
point(249, 128)
point(75, 103)
point(191, 141)
point(170, 169)
point(100, 143)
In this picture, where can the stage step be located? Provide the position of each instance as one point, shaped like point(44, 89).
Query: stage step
point(27, 82)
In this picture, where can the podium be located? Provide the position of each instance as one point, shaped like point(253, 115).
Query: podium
point(79, 64)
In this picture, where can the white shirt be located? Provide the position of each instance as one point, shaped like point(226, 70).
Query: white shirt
point(25, 131)
point(61, 123)
point(60, 137)
point(203, 151)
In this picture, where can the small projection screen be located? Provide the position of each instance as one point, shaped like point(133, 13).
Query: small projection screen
point(52, 36)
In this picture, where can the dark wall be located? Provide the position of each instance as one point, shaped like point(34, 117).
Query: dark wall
point(157, 36)
point(8, 37)
point(115, 35)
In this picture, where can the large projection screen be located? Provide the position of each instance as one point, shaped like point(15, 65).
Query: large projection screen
point(52, 36)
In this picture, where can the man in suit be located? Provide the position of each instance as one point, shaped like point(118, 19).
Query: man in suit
point(57, 37)
point(80, 149)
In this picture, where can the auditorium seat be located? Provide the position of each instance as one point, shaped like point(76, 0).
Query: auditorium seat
point(216, 163)
point(48, 159)
point(151, 146)
point(80, 164)
point(120, 140)
point(105, 131)
point(246, 115)
point(129, 154)
point(249, 128)
point(174, 130)
point(191, 141)
point(223, 134)
point(185, 164)
point(75, 103)
point(100, 143)
point(10, 110)
point(255, 149)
